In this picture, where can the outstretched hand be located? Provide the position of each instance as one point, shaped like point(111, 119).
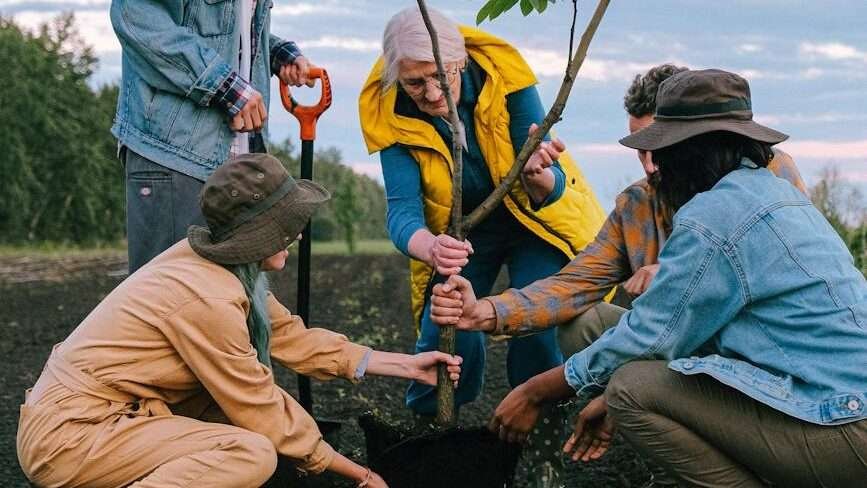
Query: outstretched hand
point(515, 416)
point(544, 156)
point(594, 430)
point(424, 366)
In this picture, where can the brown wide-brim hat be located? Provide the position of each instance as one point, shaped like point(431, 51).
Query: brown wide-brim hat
point(690, 103)
point(254, 209)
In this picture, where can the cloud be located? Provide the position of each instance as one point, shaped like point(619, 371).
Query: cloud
point(367, 168)
point(56, 5)
point(602, 149)
point(93, 25)
point(748, 47)
point(343, 43)
point(802, 118)
point(833, 51)
point(826, 150)
point(551, 63)
point(324, 8)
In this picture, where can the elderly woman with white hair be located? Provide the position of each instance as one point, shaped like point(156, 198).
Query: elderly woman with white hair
point(544, 220)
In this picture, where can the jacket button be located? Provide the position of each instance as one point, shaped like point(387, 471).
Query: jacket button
point(256, 196)
point(688, 364)
point(234, 193)
point(853, 405)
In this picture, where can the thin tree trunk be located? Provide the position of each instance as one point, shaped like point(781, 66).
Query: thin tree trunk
point(445, 389)
point(459, 227)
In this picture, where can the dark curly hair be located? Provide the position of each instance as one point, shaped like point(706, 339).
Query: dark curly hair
point(640, 99)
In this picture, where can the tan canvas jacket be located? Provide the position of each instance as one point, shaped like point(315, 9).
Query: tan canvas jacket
point(176, 329)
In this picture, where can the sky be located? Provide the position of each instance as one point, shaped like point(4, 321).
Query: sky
point(806, 62)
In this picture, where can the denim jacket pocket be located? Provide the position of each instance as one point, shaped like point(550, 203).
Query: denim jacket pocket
point(215, 17)
point(161, 114)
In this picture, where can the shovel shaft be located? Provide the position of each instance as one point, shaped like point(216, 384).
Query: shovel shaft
point(305, 396)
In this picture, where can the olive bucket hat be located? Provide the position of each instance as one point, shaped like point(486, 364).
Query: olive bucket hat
point(690, 103)
point(253, 209)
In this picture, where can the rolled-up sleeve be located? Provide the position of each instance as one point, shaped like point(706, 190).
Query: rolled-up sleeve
point(178, 59)
point(680, 311)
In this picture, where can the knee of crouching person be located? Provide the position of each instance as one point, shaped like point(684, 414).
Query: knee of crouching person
point(261, 456)
point(630, 385)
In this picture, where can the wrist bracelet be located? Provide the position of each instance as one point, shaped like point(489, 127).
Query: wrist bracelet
point(366, 480)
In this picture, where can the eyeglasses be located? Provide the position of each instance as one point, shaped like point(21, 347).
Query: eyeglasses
point(417, 86)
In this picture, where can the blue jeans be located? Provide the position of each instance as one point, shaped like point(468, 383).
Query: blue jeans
point(528, 259)
point(161, 204)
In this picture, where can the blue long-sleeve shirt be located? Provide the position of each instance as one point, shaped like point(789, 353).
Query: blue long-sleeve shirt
point(405, 215)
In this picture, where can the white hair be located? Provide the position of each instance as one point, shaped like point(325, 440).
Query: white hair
point(407, 38)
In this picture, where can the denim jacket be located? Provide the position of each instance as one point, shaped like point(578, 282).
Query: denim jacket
point(756, 290)
point(176, 56)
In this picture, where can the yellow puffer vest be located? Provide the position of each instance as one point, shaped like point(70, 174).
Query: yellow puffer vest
point(568, 224)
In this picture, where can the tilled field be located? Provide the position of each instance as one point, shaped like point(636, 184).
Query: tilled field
point(364, 297)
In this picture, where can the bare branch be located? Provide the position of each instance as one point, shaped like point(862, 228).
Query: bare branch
point(572, 33)
point(550, 119)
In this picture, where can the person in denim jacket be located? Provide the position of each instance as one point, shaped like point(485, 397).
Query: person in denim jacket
point(194, 89)
point(742, 364)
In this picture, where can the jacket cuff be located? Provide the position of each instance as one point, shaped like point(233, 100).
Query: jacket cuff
point(319, 460)
point(353, 356)
point(205, 88)
point(509, 318)
point(233, 94)
point(283, 54)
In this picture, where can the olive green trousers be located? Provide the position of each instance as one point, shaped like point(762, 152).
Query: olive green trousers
point(705, 434)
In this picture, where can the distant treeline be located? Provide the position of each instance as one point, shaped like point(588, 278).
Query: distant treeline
point(62, 181)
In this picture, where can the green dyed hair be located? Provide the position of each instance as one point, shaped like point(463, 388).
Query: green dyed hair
point(258, 323)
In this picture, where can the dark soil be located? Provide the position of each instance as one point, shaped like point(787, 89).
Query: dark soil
point(364, 297)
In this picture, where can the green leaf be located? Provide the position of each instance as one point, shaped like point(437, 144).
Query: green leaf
point(485, 11)
point(527, 7)
point(541, 5)
point(502, 6)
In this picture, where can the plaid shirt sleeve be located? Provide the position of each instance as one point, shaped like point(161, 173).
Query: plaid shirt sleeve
point(283, 53)
point(784, 166)
point(233, 94)
point(629, 239)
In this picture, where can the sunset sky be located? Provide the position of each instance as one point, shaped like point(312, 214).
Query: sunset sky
point(806, 62)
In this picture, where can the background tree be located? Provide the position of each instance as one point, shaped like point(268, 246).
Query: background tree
point(347, 210)
point(843, 204)
point(63, 180)
point(359, 197)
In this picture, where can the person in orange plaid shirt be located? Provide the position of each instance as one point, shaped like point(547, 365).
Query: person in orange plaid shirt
point(623, 254)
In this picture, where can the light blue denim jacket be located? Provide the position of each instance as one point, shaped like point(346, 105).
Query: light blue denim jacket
point(176, 54)
point(756, 290)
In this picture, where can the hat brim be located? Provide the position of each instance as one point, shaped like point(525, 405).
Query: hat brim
point(665, 132)
point(267, 233)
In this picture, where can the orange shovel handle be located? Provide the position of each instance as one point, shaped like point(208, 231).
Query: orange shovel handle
point(308, 115)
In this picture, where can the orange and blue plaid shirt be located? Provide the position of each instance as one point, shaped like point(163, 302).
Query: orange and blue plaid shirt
point(630, 239)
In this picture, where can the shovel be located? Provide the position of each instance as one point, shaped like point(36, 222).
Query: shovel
point(307, 117)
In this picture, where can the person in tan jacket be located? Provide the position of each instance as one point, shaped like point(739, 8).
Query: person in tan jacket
point(126, 398)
